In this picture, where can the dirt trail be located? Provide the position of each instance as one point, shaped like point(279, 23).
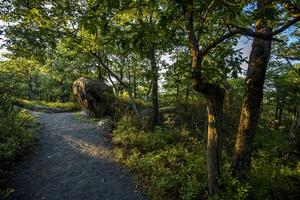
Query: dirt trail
point(72, 160)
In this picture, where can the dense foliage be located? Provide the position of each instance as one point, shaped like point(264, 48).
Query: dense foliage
point(170, 163)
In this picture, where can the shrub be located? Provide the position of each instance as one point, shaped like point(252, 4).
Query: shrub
point(17, 132)
point(168, 162)
point(267, 179)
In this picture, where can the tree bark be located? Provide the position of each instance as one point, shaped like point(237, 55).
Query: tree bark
point(134, 87)
point(295, 130)
point(214, 140)
point(154, 82)
point(187, 93)
point(276, 110)
point(279, 110)
point(258, 62)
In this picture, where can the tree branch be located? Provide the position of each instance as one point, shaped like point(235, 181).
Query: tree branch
point(289, 62)
point(293, 9)
point(236, 31)
point(127, 87)
point(286, 26)
point(292, 58)
point(205, 16)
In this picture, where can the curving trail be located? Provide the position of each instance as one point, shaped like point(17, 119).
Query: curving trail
point(72, 160)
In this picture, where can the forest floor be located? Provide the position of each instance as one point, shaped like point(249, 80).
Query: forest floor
point(73, 159)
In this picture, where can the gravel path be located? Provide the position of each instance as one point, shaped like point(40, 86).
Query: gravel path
point(72, 160)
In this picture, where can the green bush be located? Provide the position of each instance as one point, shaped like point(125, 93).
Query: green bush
point(168, 162)
point(268, 179)
point(17, 132)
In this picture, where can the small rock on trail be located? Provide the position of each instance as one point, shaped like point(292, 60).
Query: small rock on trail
point(72, 160)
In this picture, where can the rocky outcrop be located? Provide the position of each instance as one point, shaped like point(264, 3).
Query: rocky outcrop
point(95, 98)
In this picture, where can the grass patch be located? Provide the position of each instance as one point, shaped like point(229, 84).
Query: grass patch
point(85, 118)
point(65, 107)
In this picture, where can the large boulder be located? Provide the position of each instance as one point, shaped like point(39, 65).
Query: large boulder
point(95, 98)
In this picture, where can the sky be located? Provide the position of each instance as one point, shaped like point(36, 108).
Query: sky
point(2, 50)
point(245, 46)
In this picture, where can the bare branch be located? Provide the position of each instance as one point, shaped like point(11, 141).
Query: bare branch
point(292, 58)
point(236, 31)
point(286, 26)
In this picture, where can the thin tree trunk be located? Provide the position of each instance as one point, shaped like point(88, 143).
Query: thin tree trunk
point(148, 92)
point(134, 87)
point(30, 91)
point(154, 82)
point(177, 93)
point(281, 107)
point(30, 85)
point(100, 77)
point(115, 88)
point(258, 62)
point(187, 92)
point(295, 130)
point(280, 116)
point(214, 140)
point(277, 110)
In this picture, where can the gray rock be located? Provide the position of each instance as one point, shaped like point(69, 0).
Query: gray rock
point(94, 97)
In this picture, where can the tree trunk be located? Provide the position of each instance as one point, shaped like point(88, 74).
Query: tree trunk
point(100, 77)
point(215, 96)
point(295, 131)
point(30, 89)
point(214, 140)
point(277, 110)
point(177, 93)
point(280, 116)
point(154, 82)
point(187, 92)
point(148, 92)
point(258, 62)
point(281, 107)
point(134, 87)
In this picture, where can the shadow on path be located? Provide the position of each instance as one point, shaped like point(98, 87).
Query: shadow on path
point(72, 160)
